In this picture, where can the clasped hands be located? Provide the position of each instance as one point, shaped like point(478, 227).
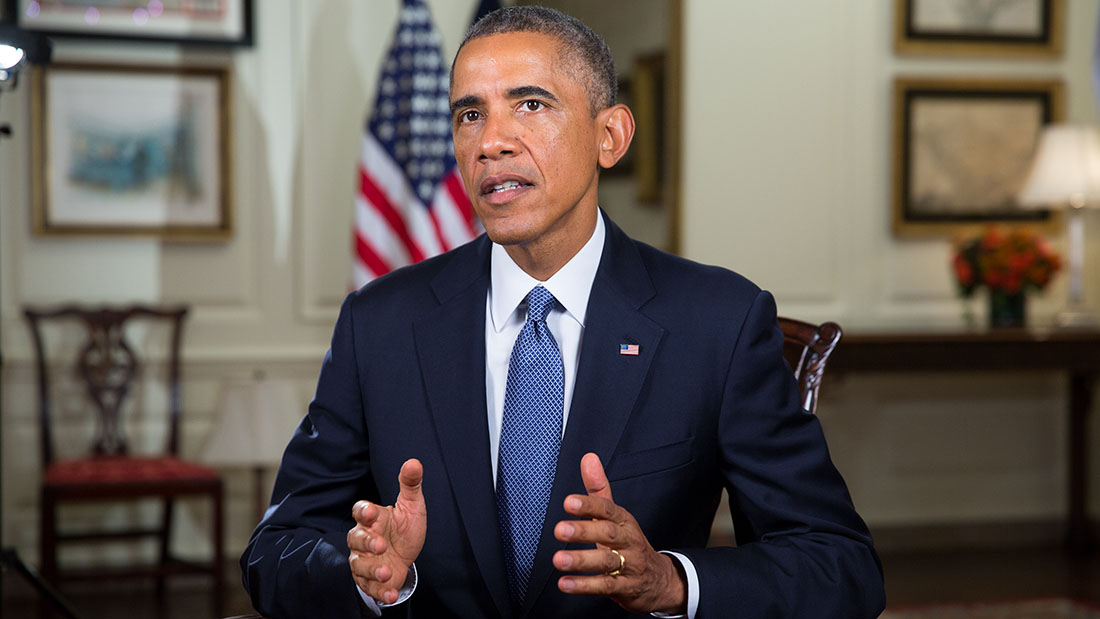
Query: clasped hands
point(623, 565)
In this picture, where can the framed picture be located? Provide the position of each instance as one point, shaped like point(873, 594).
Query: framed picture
point(131, 150)
point(962, 151)
point(208, 22)
point(649, 139)
point(979, 27)
point(643, 91)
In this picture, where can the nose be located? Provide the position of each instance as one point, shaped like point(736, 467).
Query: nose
point(498, 137)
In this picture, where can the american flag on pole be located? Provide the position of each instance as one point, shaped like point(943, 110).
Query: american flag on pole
point(1096, 62)
point(410, 204)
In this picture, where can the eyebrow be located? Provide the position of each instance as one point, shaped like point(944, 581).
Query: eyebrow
point(522, 92)
point(466, 101)
point(519, 92)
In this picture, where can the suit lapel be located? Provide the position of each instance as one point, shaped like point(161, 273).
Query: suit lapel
point(607, 384)
point(450, 343)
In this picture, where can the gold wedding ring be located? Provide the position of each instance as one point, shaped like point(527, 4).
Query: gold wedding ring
point(622, 564)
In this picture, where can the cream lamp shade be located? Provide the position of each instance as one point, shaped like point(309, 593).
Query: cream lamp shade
point(1066, 169)
point(255, 420)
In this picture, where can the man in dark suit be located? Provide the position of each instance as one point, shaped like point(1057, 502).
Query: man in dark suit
point(515, 428)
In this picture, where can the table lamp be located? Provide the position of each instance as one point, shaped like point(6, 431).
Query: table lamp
point(256, 418)
point(1066, 174)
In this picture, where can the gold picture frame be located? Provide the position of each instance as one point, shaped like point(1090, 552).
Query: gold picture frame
point(225, 23)
point(962, 148)
point(644, 92)
point(1032, 28)
point(131, 150)
point(649, 139)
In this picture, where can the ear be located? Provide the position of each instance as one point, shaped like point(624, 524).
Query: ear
point(617, 130)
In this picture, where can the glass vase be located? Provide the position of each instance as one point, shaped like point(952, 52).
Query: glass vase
point(1007, 310)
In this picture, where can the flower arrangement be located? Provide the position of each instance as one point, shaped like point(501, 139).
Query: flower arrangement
point(1006, 263)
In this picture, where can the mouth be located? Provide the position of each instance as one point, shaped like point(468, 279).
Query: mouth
point(506, 186)
point(501, 188)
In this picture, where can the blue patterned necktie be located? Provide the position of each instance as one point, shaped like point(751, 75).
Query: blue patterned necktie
point(530, 437)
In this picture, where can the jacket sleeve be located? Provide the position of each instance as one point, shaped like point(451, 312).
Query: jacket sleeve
point(802, 549)
point(296, 563)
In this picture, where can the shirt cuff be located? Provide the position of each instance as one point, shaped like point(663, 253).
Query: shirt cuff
point(374, 607)
point(692, 586)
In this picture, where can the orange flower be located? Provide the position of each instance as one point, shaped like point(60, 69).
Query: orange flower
point(1021, 261)
point(994, 279)
point(963, 271)
point(1011, 262)
point(992, 238)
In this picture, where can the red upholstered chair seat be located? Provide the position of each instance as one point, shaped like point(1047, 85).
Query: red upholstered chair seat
point(125, 469)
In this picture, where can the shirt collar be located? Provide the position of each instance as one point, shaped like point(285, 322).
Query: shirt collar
point(571, 285)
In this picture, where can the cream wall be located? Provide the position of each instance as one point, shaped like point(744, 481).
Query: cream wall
point(786, 116)
point(787, 136)
point(786, 178)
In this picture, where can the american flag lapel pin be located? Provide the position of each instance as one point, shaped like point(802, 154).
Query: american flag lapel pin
point(628, 349)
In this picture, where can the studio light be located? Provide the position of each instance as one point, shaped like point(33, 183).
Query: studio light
point(10, 59)
point(17, 48)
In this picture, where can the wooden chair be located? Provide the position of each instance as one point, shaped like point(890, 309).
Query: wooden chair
point(110, 375)
point(807, 347)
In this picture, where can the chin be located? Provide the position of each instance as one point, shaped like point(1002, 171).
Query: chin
point(506, 237)
point(502, 233)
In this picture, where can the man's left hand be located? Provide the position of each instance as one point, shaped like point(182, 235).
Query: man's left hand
point(648, 582)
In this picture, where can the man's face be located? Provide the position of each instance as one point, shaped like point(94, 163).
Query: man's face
point(525, 140)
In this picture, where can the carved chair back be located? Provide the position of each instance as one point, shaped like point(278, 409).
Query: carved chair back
point(807, 347)
point(108, 368)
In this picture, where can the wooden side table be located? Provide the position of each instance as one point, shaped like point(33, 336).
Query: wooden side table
point(1076, 353)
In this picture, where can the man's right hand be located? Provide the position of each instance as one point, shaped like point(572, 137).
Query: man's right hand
point(386, 540)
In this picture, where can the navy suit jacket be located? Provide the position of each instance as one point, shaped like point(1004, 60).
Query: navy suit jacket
point(708, 404)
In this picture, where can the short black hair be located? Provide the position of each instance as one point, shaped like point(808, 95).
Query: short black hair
point(579, 44)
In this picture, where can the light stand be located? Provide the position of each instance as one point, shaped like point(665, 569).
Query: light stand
point(17, 48)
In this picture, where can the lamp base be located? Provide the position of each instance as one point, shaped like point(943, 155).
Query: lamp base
point(1077, 317)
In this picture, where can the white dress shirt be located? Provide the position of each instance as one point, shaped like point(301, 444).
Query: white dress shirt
point(505, 314)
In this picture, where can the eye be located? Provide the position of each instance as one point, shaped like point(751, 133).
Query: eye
point(531, 105)
point(469, 116)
